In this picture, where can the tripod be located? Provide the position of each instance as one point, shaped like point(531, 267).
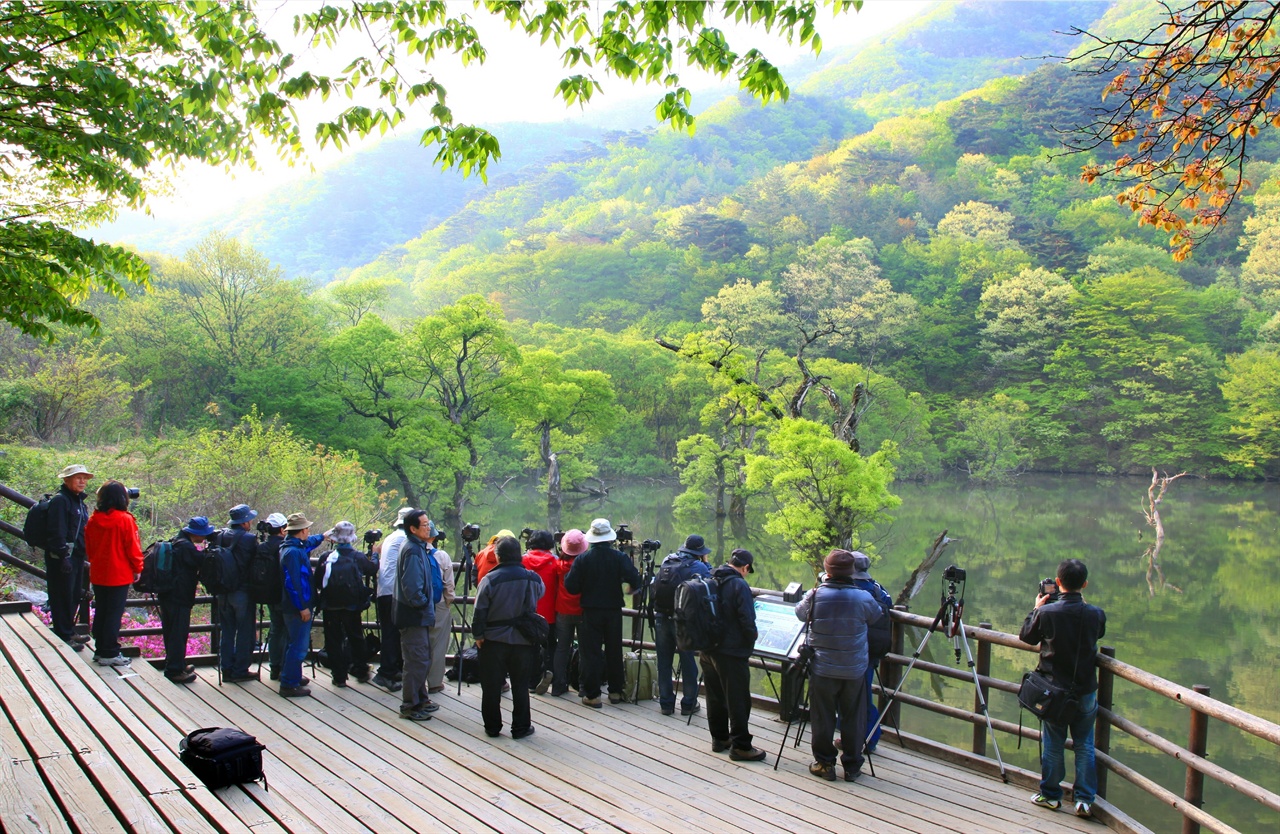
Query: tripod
point(644, 612)
point(465, 566)
point(949, 617)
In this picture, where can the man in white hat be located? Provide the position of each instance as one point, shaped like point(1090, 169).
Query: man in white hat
point(64, 552)
point(391, 665)
point(598, 575)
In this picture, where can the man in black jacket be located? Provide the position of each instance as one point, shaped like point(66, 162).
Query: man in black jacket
point(598, 575)
point(64, 556)
point(725, 671)
point(237, 613)
point(1068, 631)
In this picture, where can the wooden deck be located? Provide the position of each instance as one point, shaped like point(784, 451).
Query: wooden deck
point(90, 749)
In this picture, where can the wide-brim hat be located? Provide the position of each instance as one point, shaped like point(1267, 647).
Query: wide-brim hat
point(241, 514)
point(573, 542)
point(199, 526)
point(297, 521)
point(600, 531)
point(399, 523)
point(696, 545)
point(73, 469)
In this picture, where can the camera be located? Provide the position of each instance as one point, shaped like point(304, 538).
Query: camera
point(372, 536)
point(264, 527)
point(525, 533)
point(470, 532)
point(133, 493)
point(650, 545)
point(1049, 586)
point(624, 533)
point(557, 536)
point(953, 574)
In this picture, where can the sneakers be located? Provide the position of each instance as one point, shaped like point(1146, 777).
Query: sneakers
point(852, 775)
point(386, 683)
point(594, 703)
point(294, 691)
point(420, 714)
point(823, 771)
point(616, 698)
point(435, 690)
point(1084, 809)
point(719, 745)
point(751, 754)
point(185, 677)
point(241, 677)
point(82, 639)
point(428, 706)
point(118, 660)
point(693, 710)
point(544, 684)
point(1051, 804)
point(525, 733)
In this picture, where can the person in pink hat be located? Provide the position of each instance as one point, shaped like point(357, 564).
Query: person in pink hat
point(568, 612)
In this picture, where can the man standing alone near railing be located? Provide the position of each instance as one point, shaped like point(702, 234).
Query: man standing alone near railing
point(1068, 630)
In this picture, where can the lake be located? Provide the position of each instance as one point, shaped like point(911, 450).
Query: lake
point(1211, 619)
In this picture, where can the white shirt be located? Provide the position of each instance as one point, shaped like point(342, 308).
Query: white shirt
point(445, 561)
point(387, 561)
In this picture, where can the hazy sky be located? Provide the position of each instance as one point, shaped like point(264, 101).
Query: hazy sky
point(516, 83)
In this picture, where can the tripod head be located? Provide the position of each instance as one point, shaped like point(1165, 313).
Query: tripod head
point(952, 609)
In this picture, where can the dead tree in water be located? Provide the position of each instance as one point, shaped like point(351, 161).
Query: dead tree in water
point(1151, 511)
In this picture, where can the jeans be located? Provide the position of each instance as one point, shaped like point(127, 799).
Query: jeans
point(296, 650)
point(277, 638)
point(391, 663)
point(728, 682)
point(344, 643)
point(1053, 761)
point(440, 633)
point(664, 636)
point(64, 590)
point(497, 661)
point(239, 623)
point(108, 611)
point(827, 698)
point(175, 624)
point(415, 643)
point(600, 647)
point(566, 626)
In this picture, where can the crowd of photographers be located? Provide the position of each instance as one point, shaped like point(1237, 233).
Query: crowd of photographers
point(529, 606)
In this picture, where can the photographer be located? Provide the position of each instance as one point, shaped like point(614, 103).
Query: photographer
point(297, 601)
point(390, 665)
point(678, 567)
point(839, 614)
point(64, 555)
point(539, 559)
point(568, 612)
point(238, 613)
point(507, 594)
point(343, 598)
point(443, 628)
point(115, 561)
point(1068, 630)
point(418, 589)
point(266, 587)
point(598, 575)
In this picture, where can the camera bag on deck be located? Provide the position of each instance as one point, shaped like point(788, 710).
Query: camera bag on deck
point(223, 756)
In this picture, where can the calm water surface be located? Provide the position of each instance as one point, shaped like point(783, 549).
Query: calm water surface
point(1211, 619)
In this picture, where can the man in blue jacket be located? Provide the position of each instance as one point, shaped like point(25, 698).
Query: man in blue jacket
point(416, 592)
point(725, 671)
point(838, 614)
point(295, 602)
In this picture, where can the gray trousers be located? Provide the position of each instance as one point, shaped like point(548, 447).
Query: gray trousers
point(829, 697)
point(415, 645)
point(440, 633)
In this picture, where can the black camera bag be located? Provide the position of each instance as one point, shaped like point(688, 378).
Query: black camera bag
point(223, 756)
point(1047, 700)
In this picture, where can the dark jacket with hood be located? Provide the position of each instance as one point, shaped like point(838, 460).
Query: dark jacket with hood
point(738, 612)
point(186, 570)
point(506, 592)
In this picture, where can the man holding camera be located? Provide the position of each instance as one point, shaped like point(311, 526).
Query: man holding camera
point(725, 670)
point(838, 613)
point(1067, 630)
point(64, 554)
point(678, 567)
point(598, 575)
point(237, 612)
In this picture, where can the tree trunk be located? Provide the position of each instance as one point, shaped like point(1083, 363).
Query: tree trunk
point(553, 481)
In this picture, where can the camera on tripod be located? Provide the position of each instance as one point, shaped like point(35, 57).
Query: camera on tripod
point(470, 532)
point(624, 534)
point(650, 545)
point(371, 537)
point(953, 574)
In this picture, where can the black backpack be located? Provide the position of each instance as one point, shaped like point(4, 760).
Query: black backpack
point(699, 621)
point(265, 582)
point(35, 529)
point(223, 756)
point(672, 572)
point(157, 569)
point(880, 633)
point(218, 571)
point(341, 585)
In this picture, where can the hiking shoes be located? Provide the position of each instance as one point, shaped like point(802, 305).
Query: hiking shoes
point(750, 754)
point(616, 698)
point(719, 745)
point(241, 677)
point(1051, 804)
point(594, 703)
point(544, 684)
point(823, 771)
point(1084, 809)
point(669, 710)
point(386, 683)
point(693, 710)
point(525, 733)
point(851, 775)
point(416, 714)
point(294, 691)
point(118, 660)
point(185, 677)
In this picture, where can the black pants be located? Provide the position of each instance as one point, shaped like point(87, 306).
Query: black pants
point(829, 697)
point(344, 644)
point(497, 661)
point(600, 650)
point(392, 662)
point(175, 623)
point(728, 683)
point(65, 590)
point(108, 611)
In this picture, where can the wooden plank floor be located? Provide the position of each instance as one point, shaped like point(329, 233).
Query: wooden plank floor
point(92, 749)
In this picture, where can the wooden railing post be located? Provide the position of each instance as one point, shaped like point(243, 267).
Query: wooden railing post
point(891, 673)
point(1101, 725)
point(1198, 741)
point(983, 669)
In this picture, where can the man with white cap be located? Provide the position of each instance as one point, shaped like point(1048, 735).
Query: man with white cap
point(598, 576)
point(64, 554)
point(266, 587)
point(391, 664)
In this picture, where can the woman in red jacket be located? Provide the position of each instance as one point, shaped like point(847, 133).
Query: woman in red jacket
point(115, 561)
point(568, 612)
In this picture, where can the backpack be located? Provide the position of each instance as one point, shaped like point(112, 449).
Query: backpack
point(218, 571)
point(264, 582)
point(672, 572)
point(342, 585)
point(35, 529)
point(157, 569)
point(879, 633)
point(223, 756)
point(699, 622)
